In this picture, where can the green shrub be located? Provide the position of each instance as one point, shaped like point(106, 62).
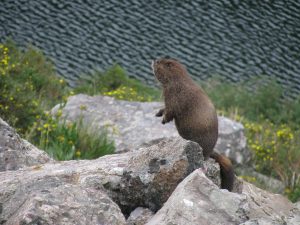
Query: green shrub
point(28, 84)
point(114, 82)
point(28, 88)
point(266, 102)
point(293, 195)
point(67, 140)
point(271, 123)
point(276, 151)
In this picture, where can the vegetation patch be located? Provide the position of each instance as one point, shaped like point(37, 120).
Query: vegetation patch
point(64, 140)
point(271, 123)
point(28, 85)
point(115, 83)
point(29, 88)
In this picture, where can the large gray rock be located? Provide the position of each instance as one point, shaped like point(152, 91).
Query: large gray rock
point(152, 173)
point(86, 191)
point(54, 204)
point(102, 191)
point(133, 124)
point(196, 200)
point(232, 141)
point(17, 153)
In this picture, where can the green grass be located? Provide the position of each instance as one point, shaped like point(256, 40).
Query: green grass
point(71, 140)
point(272, 126)
point(265, 103)
point(115, 82)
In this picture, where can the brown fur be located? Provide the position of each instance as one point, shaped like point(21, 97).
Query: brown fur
point(194, 114)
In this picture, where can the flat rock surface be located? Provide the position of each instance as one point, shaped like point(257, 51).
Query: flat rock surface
point(133, 124)
point(66, 204)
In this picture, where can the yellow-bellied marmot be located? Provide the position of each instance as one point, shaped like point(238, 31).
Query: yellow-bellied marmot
point(194, 113)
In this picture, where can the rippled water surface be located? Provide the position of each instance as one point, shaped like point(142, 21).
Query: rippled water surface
point(234, 39)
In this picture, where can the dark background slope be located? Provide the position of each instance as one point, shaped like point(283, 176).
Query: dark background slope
point(234, 39)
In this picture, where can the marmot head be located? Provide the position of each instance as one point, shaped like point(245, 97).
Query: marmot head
point(168, 70)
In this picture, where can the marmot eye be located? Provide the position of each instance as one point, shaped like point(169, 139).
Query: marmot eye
point(169, 64)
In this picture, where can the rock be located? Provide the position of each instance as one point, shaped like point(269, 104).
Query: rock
point(196, 200)
point(85, 190)
point(297, 205)
point(133, 124)
point(65, 204)
point(268, 207)
point(16, 153)
point(232, 141)
point(167, 178)
point(152, 173)
point(139, 216)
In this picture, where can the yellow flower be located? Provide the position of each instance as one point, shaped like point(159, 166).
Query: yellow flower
point(5, 61)
point(61, 138)
point(287, 190)
point(35, 103)
point(69, 125)
point(78, 153)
